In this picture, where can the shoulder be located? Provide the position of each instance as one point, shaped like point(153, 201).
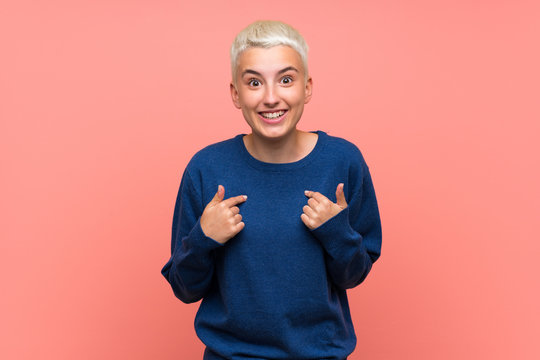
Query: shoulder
point(342, 150)
point(212, 161)
point(214, 153)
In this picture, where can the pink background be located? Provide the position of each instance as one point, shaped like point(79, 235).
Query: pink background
point(102, 103)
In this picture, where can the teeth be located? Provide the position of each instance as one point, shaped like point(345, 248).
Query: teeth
point(273, 115)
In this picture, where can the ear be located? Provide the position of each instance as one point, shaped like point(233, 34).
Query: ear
point(234, 96)
point(309, 88)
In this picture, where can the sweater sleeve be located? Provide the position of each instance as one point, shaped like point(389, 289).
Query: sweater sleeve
point(190, 268)
point(352, 238)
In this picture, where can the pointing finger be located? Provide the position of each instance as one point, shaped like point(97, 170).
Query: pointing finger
point(316, 195)
point(235, 200)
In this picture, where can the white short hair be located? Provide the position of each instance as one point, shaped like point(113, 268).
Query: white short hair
point(267, 34)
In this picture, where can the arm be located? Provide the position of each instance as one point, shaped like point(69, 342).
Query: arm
point(352, 237)
point(190, 268)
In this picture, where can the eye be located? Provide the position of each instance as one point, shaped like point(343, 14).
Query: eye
point(254, 82)
point(286, 80)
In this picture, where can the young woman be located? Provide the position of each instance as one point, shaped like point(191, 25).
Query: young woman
point(272, 259)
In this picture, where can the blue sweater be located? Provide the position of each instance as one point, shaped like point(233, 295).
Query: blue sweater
point(276, 290)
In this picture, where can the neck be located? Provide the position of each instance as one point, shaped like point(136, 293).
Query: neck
point(290, 148)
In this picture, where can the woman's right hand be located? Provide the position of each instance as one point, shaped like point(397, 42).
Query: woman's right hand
point(221, 219)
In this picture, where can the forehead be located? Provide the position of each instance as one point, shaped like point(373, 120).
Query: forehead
point(269, 60)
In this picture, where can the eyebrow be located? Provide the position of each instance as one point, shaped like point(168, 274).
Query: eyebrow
point(284, 70)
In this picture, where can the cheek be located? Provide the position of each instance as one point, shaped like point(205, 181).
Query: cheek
point(297, 99)
point(248, 115)
point(298, 95)
point(249, 101)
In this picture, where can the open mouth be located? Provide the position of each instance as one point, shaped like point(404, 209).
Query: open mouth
point(272, 117)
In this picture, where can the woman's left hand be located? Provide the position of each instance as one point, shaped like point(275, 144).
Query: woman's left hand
point(320, 209)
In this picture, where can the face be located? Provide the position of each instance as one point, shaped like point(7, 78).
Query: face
point(271, 90)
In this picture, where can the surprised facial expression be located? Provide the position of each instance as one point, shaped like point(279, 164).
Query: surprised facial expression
point(271, 90)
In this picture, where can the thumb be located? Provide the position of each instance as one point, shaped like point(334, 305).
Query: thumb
point(220, 194)
point(340, 196)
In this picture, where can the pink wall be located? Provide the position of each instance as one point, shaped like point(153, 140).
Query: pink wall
point(102, 103)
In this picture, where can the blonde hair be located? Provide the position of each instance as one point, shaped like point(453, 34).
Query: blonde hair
point(267, 34)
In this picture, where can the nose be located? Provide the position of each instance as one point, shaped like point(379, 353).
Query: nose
point(271, 97)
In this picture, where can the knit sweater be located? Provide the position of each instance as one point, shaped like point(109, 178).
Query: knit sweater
point(276, 290)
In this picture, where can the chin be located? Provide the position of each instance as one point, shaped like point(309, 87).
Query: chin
point(275, 134)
